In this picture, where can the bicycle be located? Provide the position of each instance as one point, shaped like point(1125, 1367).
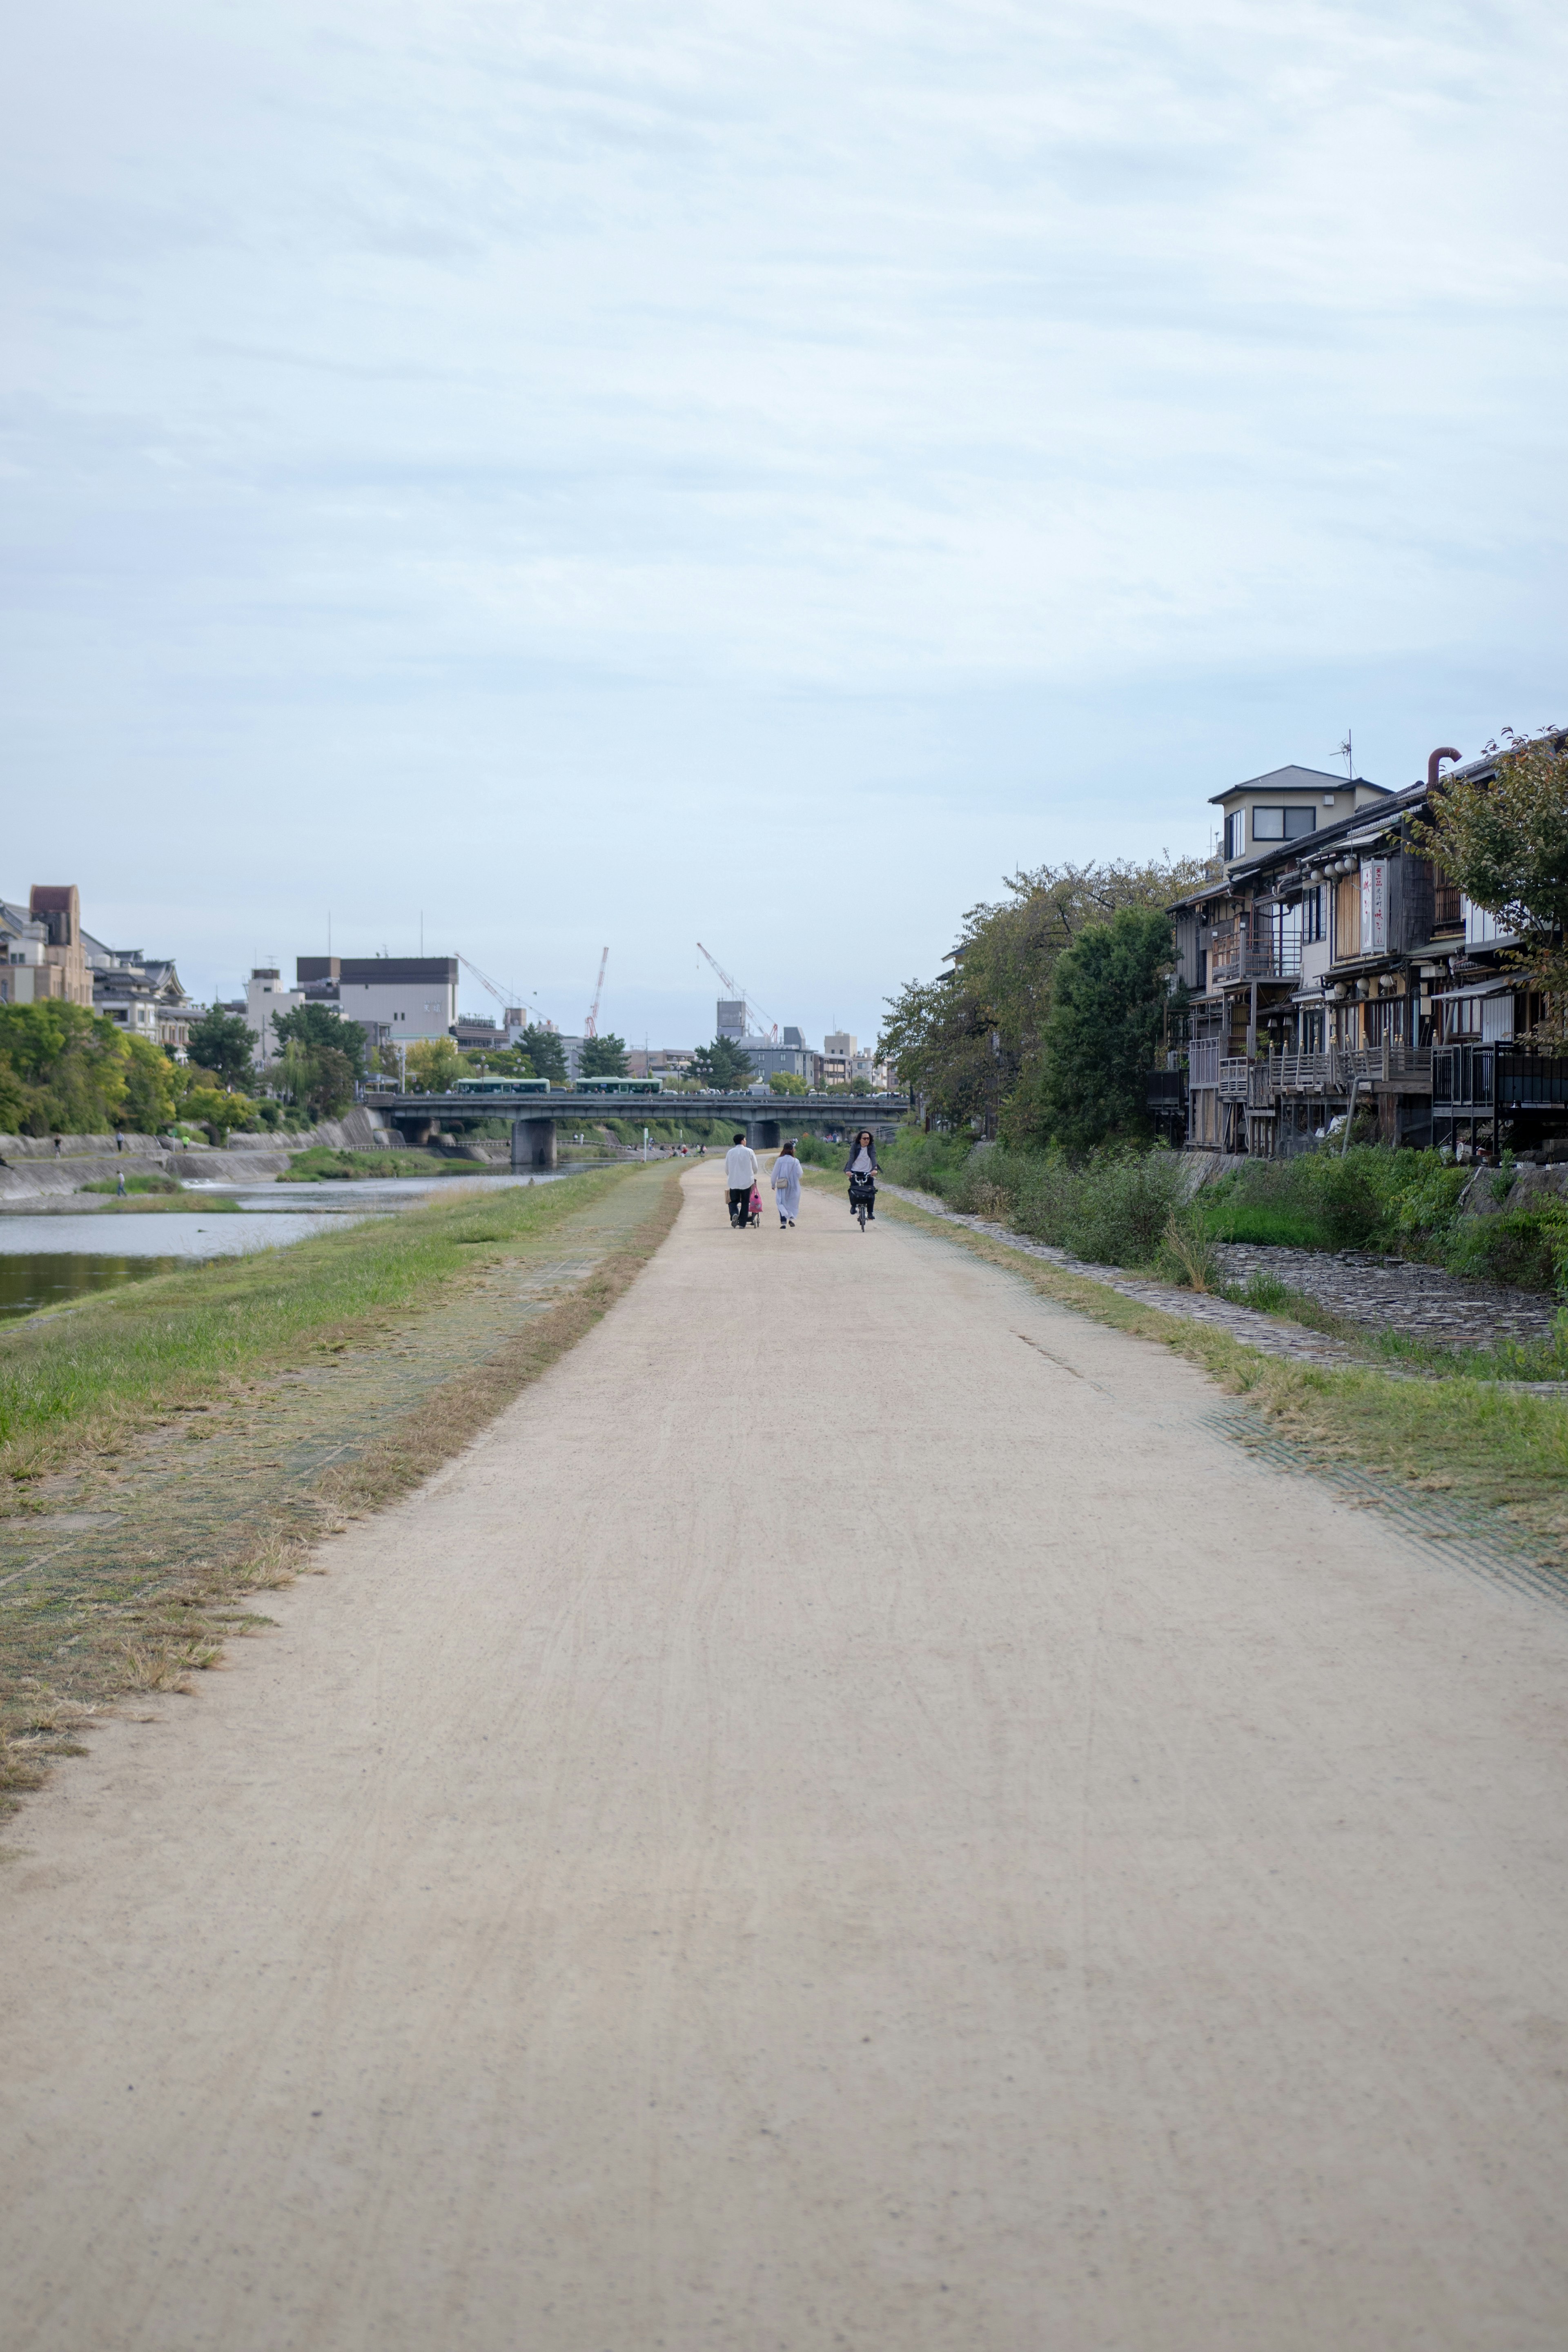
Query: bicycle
point(862, 1198)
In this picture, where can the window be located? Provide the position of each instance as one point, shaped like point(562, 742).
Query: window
point(1234, 835)
point(1282, 824)
point(1312, 914)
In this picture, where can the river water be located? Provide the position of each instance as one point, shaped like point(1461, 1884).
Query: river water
point(47, 1260)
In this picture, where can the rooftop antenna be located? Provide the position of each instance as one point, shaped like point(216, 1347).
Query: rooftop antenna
point(1347, 753)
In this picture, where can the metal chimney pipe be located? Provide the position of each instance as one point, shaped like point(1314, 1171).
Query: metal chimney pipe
point(1444, 751)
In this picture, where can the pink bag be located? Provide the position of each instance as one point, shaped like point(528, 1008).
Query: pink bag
point(755, 1203)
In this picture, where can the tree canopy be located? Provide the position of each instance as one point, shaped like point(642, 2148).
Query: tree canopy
point(972, 1043)
point(723, 1064)
point(1108, 1001)
point(604, 1057)
point(434, 1064)
point(321, 1028)
point(544, 1051)
point(220, 1042)
point(1503, 840)
point(66, 1070)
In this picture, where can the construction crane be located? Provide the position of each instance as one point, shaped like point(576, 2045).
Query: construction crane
point(590, 1026)
point(507, 1004)
point(735, 989)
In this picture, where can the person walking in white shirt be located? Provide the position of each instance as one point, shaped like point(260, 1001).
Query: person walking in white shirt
point(785, 1182)
point(740, 1175)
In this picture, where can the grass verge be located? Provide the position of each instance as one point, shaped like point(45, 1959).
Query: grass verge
point(323, 1165)
point(168, 1451)
point(1467, 1438)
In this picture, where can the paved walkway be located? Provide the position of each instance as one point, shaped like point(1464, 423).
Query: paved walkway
point(852, 1817)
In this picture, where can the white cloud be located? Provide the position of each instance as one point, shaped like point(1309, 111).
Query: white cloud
point(926, 411)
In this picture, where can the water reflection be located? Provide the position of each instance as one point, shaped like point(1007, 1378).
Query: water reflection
point(49, 1279)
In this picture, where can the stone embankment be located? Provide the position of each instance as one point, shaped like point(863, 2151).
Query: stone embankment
point(1378, 1294)
point(34, 1170)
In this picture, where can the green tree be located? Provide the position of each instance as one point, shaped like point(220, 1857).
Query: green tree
point(785, 1082)
point(1108, 1006)
point(434, 1064)
point(221, 1042)
point(201, 1094)
point(317, 1078)
point(322, 1027)
point(500, 1062)
point(149, 1099)
point(1503, 839)
point(62, 1070)
point(972, 1040)
point(604, 1057)
point(723, 1064)
point(544, 1050)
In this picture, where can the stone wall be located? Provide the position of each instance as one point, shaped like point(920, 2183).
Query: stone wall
point(34, 1170)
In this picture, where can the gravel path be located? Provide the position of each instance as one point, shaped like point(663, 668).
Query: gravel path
point(853, 1816)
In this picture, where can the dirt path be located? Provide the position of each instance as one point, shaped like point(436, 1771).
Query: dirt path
point(826, 1827)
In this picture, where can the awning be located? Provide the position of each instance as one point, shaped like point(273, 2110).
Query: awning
point(1481, 988)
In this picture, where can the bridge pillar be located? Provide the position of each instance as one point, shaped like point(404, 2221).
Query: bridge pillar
point(533, 1143)
point(762, 1134)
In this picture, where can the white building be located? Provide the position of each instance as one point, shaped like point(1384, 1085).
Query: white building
point(265, 998)
point(407, 997)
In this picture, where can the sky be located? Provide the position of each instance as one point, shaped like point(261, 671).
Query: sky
point(518, 478)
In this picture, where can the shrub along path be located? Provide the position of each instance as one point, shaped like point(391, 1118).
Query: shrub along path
point(141, 1513)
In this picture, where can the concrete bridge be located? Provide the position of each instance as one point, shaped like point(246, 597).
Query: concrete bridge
point(763, 1119)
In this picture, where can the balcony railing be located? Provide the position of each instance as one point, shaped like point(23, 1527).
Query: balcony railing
point(1260, 946)
point(1471, 1079)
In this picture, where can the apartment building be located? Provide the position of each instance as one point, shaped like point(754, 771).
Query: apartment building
point(1331, 968)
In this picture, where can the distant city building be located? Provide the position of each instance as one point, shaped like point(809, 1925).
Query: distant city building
point(402, 998)
point(265, 999)
point(659, 1061)
point(143, 998)
point(44, 949)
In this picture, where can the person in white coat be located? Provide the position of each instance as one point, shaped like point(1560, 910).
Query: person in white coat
point(740, 1175)
point(785, 1182)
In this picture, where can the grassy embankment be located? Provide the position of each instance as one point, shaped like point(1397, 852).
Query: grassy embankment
point(324, 1164)
point(434, 1320)
point(1467, 1437)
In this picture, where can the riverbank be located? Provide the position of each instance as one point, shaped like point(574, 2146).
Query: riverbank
point(169, 1449)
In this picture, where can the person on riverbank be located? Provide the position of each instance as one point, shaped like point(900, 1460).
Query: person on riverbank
point(785, 1182)
point(862, 1169)
point(740, 1175)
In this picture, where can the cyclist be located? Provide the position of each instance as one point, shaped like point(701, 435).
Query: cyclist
point(862, 1169)
point(740, 1175)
